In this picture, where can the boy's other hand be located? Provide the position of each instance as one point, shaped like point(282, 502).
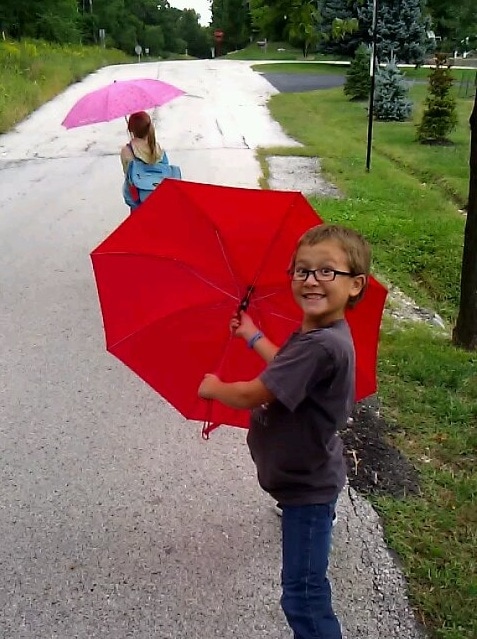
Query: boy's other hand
point(242, 326)
point(208, 386)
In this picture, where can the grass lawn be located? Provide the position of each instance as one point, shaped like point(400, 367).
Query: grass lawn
point(408, 207)
point(274, 51)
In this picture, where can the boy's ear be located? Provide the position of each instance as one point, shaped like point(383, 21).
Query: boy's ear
point(358, 287)
point(359, 284)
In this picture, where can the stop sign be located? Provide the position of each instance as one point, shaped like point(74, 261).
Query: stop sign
point(218, 35)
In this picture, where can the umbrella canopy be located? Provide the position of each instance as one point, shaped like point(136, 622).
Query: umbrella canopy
point(118, 99)
point(171, 276)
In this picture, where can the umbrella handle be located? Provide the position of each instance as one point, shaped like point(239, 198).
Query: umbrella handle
point(208, 425)
point(245, 301)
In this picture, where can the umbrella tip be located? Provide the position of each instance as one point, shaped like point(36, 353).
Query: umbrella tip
point(207, 428)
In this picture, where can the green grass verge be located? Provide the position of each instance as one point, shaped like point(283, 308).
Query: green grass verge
point(429, 393)
point(403, 201)
point(407, 207)
point(274, 51)
point(33, 72)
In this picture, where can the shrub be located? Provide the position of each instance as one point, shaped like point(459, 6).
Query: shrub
point(358, 81)
point(439, 117)
point(391, 97)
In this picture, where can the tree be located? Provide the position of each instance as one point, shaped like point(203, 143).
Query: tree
point(152, 23)
point(465, 331)
point(60, 23)
point(197, 38)
point(345, 11)
point(304, 25)
point(439, 117)
point(401, 30)
point(153, 39)
point(270, 18)
point(391, 94)
point(454, 22)
point(233, 18)
point(54, 20)
point(358, 81)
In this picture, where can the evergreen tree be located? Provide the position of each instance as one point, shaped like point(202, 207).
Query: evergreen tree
point(439, 117)
point(358, 81)
point(401, 29)
point(345, 10)
point(391, 94)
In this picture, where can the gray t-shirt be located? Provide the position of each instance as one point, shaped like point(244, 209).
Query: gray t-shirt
point(293, 440)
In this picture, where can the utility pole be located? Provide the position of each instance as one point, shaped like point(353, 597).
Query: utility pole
point(372, 73)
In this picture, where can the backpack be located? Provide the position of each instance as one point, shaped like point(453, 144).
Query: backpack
point(142, 178)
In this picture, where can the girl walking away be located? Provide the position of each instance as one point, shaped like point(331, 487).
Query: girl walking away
point(299, 402)
point(145, 164)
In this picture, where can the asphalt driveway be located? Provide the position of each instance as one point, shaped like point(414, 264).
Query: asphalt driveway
point(301, 82)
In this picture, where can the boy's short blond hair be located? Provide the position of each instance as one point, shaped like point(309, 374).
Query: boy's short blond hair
point(356, 248)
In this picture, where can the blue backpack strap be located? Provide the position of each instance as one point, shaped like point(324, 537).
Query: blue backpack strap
point(130, 192)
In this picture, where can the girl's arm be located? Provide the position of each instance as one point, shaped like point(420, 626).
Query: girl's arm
point(126, 157)
point(236, 394)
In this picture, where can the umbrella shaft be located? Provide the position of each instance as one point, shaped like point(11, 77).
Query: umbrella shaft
point(246, 299)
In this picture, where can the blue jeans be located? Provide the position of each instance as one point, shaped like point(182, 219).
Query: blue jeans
point(306, 597)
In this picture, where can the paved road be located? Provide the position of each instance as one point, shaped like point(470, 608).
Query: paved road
point(300, 82)
point(117, 520)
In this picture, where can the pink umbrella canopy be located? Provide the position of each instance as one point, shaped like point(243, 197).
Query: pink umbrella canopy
point(119, 99)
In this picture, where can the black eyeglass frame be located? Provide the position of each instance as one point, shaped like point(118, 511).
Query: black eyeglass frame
point(313, 271)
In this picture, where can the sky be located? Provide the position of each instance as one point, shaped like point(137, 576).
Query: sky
point(202, 7)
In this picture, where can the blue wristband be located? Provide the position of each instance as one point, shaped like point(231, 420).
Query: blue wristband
point(251, 342)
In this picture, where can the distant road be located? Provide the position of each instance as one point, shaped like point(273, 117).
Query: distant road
point(299, 82)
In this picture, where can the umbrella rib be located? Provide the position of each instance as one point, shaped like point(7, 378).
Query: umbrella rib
point(274, 313)
point(151, 322)
point(272, 242)
point(206, 281)
point(229, 266)
point(203, 211)
point(184, 265)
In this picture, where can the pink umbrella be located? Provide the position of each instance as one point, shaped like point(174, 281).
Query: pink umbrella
point(118, 99)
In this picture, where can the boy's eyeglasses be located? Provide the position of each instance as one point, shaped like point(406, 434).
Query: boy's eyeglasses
point(320, 274)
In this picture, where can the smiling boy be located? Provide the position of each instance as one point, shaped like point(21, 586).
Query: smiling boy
point(300, 401)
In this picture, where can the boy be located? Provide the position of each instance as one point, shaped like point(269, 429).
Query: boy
point(302, 398)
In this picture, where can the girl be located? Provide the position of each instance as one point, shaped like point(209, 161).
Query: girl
point(143, 143)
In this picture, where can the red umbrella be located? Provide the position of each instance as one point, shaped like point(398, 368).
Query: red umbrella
point(171, 276)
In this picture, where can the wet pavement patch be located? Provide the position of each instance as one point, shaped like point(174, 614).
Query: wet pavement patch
point(376, 467)
point(301, 82)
